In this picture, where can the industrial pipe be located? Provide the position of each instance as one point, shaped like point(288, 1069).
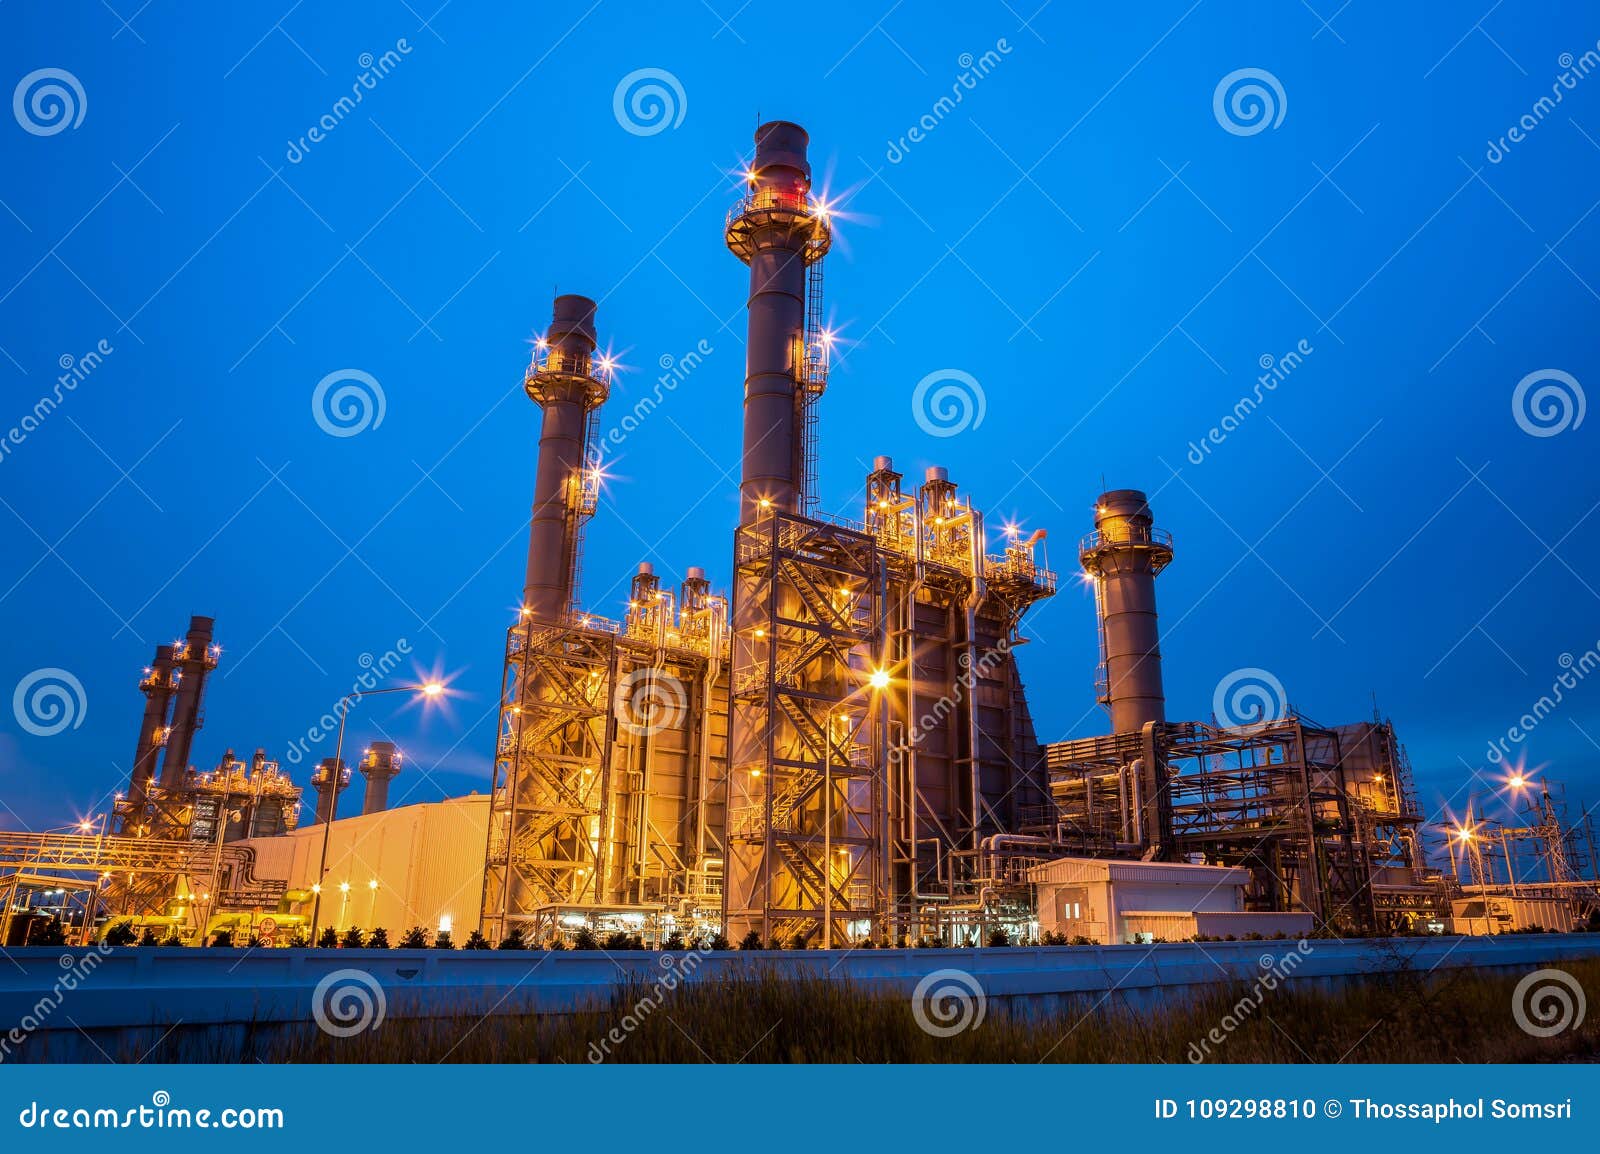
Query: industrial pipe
point(158, 686)
point(196, 658)
point(1124, 554)
point(777, 232)
point(380, 766)
point(567, 382)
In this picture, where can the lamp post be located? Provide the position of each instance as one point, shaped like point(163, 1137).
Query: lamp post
point(427, 689)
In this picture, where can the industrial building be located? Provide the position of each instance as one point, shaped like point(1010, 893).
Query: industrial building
point(833, 747)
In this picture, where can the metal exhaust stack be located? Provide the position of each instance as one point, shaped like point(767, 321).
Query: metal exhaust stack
point(329, 781)
point(569, 383)
point(380, 766)
point(158, 686)
point(1123, 555)
point(777, 231)
point(196, 658)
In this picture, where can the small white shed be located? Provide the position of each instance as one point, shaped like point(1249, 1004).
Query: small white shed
point(1109, 901)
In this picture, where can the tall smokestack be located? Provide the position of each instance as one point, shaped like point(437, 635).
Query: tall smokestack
point(380, 766)
point(1124, 554)
point(777, 232)
point(158, 687)
point(568, 382)
point(196, 658)
point(329, 780)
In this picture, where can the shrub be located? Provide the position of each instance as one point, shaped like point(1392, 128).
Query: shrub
point(617, 942)
point(120, 934)
point(998, 938)
point(513, 940)
point(442, 941)
point(352, 939)
point(415, 939)
point(476, 941)
point(148, 938)
point(584, 939)
point(798, 942)
point(222, 939)
point(328, 939)
point(51, 933)
point(674, 941)
point(751, 941)
point(379, 939)
point(719, 942)
point(298, 940)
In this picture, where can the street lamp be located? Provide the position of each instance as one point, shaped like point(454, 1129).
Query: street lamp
point(428, 689)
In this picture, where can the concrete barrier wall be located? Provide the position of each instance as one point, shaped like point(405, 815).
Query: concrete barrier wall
point(89, 1004)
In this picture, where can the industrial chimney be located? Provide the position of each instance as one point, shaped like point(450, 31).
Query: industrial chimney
point(158, 686)
point(329, 780)
point(568, 382)
point(380, 766)
point(1123, 555)
point(777, 231)
point(196, 658)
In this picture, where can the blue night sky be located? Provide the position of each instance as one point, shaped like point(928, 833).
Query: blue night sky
point(1107, 257)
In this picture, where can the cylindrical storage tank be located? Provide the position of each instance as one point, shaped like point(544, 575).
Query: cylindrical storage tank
point(1124, 554)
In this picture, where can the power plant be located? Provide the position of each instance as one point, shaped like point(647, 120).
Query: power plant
point(832, 748)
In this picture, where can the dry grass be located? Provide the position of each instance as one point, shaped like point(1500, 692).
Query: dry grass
point(1392, 1017)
